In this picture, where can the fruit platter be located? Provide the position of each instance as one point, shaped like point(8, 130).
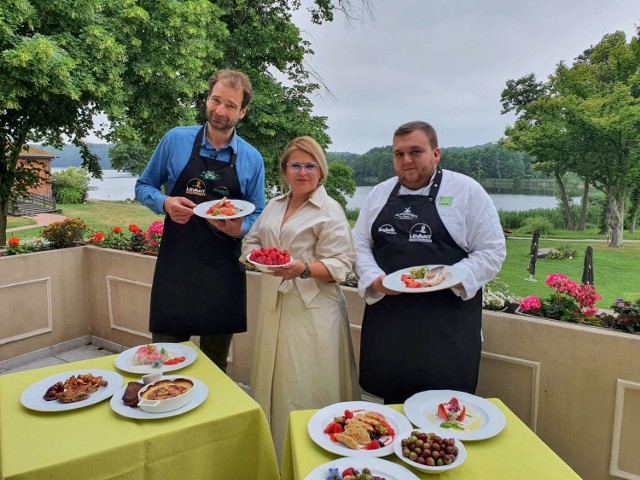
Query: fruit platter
point(428, 452)
point(350, 468)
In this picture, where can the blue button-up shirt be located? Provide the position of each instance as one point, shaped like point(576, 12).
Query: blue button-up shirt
point(172, 155)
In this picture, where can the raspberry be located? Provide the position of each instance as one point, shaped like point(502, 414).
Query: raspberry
point(373, 445)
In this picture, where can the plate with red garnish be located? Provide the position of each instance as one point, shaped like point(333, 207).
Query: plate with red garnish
point(424, 278)
point(224, 209)
point(357, 429)
point(450, 413)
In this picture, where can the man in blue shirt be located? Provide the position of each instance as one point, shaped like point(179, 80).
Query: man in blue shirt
point(199, 286)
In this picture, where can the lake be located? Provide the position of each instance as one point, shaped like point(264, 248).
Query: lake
point(120, 186)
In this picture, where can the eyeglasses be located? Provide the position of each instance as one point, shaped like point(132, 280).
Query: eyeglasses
point(308, 167)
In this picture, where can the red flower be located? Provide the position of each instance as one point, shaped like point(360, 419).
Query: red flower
point(14, 242)
point(116, 230)
point(133, 228)
point(98, 236)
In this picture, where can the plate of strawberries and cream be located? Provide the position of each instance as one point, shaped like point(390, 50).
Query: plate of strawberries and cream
point(454, 414)
point(357, 429)
point(424, 278)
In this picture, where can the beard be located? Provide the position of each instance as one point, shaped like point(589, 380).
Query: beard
point(224, 124)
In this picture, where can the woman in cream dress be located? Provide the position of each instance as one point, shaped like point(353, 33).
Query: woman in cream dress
point(303, 357)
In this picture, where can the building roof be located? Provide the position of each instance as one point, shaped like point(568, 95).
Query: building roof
point(36, 153)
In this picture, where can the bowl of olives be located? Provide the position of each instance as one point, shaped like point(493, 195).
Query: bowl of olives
point(428, 452)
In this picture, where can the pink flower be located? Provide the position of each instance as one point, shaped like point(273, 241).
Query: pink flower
point(529, 303)
point(156, 227)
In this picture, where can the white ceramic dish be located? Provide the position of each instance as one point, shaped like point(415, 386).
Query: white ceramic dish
point(265, 268)
point(124, 361)
point(200, 393)
point(323, 417)
point(483, 419)
point(245, 208)
point(454, 275)
point(397, 449)
point(32, 396)
point(379, 467)
point(165, 404)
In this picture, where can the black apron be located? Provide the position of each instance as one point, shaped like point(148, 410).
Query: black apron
point(199, 286)
point(418, 341)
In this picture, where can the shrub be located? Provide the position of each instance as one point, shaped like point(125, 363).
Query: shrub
point(67, 233)
point(70, 185)
point(534, 223)
point(562, 252)
point(352, 214)
point(627, 315)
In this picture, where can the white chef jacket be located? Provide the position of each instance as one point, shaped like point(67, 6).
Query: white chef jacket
point(467, 212)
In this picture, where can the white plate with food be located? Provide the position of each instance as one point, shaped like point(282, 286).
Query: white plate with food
point(356, 440)
point(165, 357)
point(224, 209)
point(429, 453)
point(266, 268)
point(200, 393)
point(424, 278)
point(79, 391)
point(468, 417)
point(377, 466)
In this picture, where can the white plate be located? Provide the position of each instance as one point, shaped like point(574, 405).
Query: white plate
point(32, 396)
point(199, 396)
point(454, 275)
point(124, 361)
point(323, 417)
point(245, 207)
point(460, 458)
point(483, 420)
point(379, 467)
point(265, 268)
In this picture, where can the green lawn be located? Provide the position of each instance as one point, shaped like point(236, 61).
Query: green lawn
point(19, 222)
point(616, 270)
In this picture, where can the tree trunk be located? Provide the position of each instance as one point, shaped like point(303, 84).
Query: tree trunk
point(565, 202)
point(4, 209)
point(616, 217)
point(632, 223)
point(583, 209)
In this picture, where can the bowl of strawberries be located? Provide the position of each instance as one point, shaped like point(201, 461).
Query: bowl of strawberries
point(267, 258)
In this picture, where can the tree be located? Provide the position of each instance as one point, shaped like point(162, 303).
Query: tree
point(70, 185)
point(130, 157)
point(145, 65)
point(586, 120)
point(339, 184)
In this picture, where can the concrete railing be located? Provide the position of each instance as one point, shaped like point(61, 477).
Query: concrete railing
point(577, 387)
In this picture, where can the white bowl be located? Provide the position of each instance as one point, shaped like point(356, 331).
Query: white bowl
point(397, 448)
point(151, 377)
point(165, 404)
point(265, 268)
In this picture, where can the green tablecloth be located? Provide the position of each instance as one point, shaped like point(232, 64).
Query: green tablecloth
point(515, 454)
point(227, 437)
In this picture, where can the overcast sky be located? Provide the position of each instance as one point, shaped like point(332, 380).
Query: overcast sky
point(446, 62)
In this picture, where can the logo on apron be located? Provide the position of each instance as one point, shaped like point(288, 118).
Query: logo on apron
point(222, 190)
point(420, 232)
point(195, 186)
point(209, 175)
point(406, 215)
point(388, 229)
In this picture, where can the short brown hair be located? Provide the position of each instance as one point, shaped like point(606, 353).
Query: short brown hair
point(409, 127)
point(233, 79)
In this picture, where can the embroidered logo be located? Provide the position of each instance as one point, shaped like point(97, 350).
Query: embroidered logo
point(420, 232)
point(388, 229)
point(406, 215)
point(195, 186)
point(222, 190)
point(209, 175)
point(445, 201)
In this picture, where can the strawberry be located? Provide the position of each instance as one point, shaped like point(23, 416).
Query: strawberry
point(348, 471)
point(348, 413)
point(329, 428)
point(373, 445)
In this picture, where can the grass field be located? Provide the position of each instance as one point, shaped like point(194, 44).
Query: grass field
point(616, 271)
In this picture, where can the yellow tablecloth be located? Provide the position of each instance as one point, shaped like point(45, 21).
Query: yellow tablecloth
point(227, 437)
point(515, 454)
